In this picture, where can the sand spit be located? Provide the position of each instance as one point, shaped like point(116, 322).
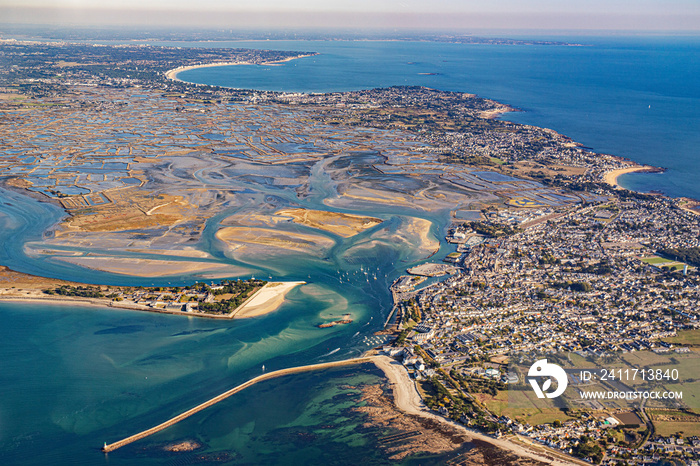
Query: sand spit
point(267, 299)
point(147, 268)
point(21, 287)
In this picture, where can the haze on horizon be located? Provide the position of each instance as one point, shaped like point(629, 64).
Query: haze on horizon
point(620, 15)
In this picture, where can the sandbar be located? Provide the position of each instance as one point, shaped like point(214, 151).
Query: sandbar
point(265, 300)
point(149, 267)
point(270, 240)
point(420, 227)
point(339, 223)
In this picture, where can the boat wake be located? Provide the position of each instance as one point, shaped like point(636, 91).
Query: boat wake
point(332, 352)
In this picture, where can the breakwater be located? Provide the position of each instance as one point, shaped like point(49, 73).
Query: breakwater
point(270, 375)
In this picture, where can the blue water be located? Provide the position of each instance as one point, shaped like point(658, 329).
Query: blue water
point(74, 377)
point(633, 97)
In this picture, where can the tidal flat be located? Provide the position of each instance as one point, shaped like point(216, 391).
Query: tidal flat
point(280, 195)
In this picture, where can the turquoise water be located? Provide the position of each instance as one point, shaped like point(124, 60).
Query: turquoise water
point(75, 377)
point(633, 97)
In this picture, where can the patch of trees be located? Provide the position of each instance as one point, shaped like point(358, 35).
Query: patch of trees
point(402, 337)
point(687, 255)
point(479, 384)
point(574, 286)
point(599, 268)
point(489, 229)
point(586, 448)
point(80, 291)
point(238, 286)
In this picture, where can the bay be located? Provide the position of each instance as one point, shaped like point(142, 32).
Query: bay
point(634, 97)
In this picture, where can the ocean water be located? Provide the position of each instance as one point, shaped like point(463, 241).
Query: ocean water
point(73, 377)
point(634, 97)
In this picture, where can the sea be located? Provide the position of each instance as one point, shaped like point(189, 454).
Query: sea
point(74, 377)
point(635, 97)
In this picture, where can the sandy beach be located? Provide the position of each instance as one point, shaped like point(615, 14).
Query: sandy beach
point(172, 74)
point(267, 299)
point(408, 400)
point(611, 176)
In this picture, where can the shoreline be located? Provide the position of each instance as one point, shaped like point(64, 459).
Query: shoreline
point(264, 301)
point(611, 177)
point(172, 74)
point(408, 400)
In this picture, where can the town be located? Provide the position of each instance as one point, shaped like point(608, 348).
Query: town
point(595, 281)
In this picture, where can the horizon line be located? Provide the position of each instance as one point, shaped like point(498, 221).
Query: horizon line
point(392, 21)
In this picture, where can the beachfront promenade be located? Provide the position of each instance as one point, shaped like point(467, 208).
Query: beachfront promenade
point(223, 396)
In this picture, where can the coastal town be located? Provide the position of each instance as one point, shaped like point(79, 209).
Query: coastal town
point(597, 281)
point(550, 258)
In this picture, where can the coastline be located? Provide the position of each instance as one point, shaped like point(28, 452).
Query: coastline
point(267, 299)
point(172, 74)
point(264, 301)
point(611, 177)
point(407, 399)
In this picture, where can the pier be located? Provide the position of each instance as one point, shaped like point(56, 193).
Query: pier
point(270, 375)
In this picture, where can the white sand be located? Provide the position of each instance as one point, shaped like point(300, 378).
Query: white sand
point(611, 176)
point(266, 299)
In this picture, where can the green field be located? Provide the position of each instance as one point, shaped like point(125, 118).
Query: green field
point(643, 359)
point(686, 337)
point(663, 262)
point(669, 428)
point(688, 365)
point(522, 405)
point(656, 260)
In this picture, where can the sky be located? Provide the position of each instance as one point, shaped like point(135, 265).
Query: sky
point(650, 15)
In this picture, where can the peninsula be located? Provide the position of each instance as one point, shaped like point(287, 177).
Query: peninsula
point(227, 300)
